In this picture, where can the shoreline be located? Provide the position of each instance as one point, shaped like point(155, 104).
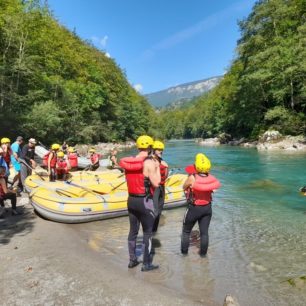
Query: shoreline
point(47, 263)
point(105, 148)
point(266, 143)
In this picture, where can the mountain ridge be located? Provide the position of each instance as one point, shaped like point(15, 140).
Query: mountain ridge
point(182, 92)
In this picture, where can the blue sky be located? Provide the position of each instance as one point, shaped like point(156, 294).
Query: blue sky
point(159, 43)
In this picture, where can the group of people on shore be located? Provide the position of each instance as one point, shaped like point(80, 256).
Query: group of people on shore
point(17, 161)
point(20, 159)
point(146, 174)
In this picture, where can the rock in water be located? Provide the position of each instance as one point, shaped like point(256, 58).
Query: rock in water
point(230, 301)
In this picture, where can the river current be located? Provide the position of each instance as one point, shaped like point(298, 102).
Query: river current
point(257, 249)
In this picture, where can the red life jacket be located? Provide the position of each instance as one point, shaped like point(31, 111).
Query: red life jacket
point(2, 193)
point(135, 179)
point(202, 189)
point(73, 160)
point(7, 156)
point(53, 160)
point(94, 158)
point(163, 174)
point(62, 166)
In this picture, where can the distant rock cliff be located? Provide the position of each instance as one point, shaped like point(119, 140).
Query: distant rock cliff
point(181, 93)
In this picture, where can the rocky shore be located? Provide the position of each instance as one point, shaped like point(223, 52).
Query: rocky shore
point(269, 141)
point(105, 148)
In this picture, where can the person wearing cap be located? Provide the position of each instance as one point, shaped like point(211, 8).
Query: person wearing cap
point(72, 156)
point(159, 193)
point(62, 166)
point(6, 194)
point(52, 160)
point(4, 164)
point(94, 159)
point(16, 149)
point(198, 187)
point(142, 177)
point(7, 152)
point(27, 159)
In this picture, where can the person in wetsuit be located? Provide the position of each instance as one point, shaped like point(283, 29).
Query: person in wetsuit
point(142, 176)
point(159, 193)
point(199, 187)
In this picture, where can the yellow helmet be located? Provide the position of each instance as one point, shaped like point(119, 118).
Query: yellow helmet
point(92, 150)
point(71, 149)
point(202, 163)
point(5, 140)
point(144, 142)
point(55, 146)
point(60, 154)
point(158, 145)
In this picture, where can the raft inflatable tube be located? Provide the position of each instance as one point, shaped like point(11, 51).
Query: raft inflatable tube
point(103, 180)
point(71, 204)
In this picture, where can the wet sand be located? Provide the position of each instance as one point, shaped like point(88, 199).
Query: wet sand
point(47, 263)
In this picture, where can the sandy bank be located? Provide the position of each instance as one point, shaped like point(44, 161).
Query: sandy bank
point(45, 263)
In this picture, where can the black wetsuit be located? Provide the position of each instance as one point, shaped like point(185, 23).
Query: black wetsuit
point(201, 214)
point(159, 201)
point(141, 211)
point(9, 196)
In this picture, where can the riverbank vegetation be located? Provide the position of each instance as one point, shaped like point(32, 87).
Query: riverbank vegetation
point(265, 86)
point(55, 86)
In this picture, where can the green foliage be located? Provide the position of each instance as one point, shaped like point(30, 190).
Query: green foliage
point(54, 86)
point(265, 85)
point(285, 121)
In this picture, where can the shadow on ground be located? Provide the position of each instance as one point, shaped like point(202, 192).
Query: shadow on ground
point(20, 225)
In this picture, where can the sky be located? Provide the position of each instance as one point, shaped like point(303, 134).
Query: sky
point(159, 43)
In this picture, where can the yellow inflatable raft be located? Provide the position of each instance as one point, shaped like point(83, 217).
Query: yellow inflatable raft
point(102, 182)
point(63, 202)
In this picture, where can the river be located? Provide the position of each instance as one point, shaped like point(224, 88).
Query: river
point(257, 248)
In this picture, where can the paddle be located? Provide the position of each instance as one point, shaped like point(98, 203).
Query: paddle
point(31, 168)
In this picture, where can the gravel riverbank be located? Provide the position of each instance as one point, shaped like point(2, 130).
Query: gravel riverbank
point(46, 263)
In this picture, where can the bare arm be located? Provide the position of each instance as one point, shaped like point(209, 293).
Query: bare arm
point(151, 170)
point(3, 185)
point(189, 182)
point(49, 161)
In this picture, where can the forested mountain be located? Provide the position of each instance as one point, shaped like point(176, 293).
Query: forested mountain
point(182, 93)
point(265, 86)
point(55, 86)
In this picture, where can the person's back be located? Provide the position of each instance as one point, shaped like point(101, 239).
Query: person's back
point(142, 176)
point(198, 187)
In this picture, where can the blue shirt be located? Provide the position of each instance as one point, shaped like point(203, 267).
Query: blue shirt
point(3, 164)
point(16, 149)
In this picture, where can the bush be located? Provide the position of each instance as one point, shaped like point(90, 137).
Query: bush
point(286, 121)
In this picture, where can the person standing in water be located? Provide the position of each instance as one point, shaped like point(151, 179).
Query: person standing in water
point(199, 187)
point(159, 193)
point(142, 176)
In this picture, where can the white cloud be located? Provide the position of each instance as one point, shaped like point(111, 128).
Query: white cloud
point(100, 42)
point(107, 54)
point(138, 87)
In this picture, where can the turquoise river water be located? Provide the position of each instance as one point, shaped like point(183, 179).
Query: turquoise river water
point(257, 248)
